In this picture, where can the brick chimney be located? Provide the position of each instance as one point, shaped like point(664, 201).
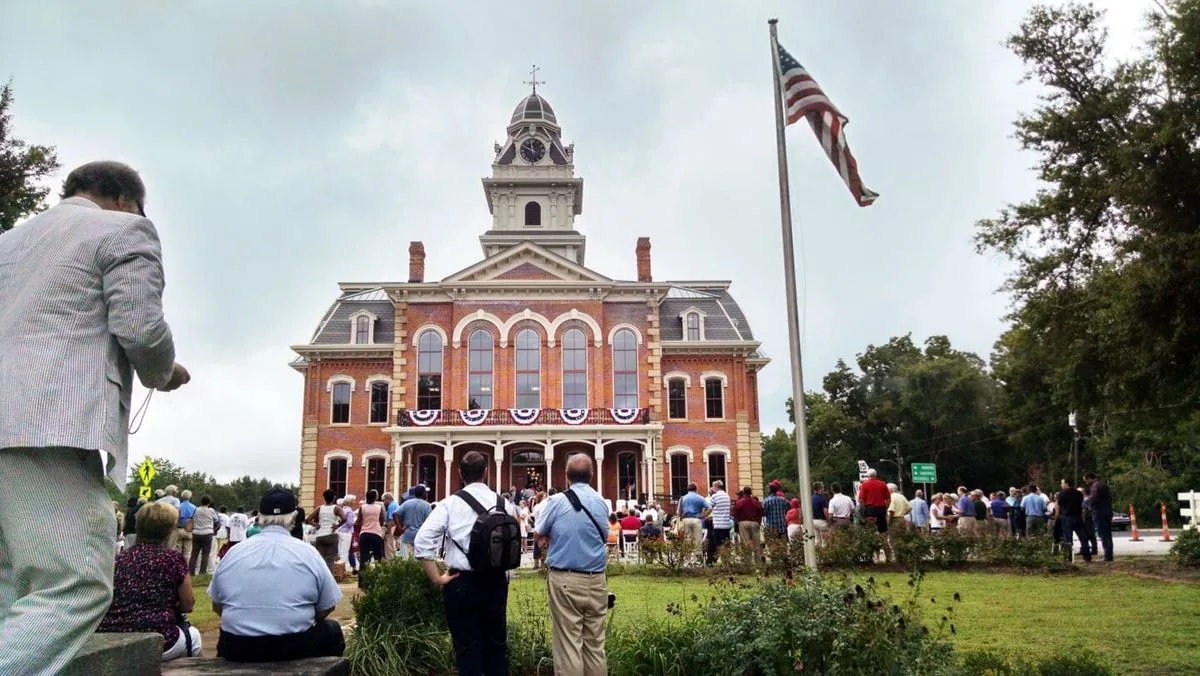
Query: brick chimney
point(416, 262)
point(643, 259)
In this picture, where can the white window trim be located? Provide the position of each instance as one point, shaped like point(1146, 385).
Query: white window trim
point(441, 374)
point(340, 378)
point(370, 327)
point(710, 451)
point(378, 378)
point(612, 333)
point(377, 453)
point(344, 455)
point(700, 314)
point(687, 381)
point(681, 449)
point(366, 468)
point(479, 315)
point(329, 388)
point(416, 341)
point(715, 375)
point(516, 372)
point(523, 315)
point(612, 349)
point(581, 316)
point(587, 370)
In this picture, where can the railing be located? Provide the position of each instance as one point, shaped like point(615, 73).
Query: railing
point(504, 416)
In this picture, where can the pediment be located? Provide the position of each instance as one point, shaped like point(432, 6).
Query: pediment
point(526, 262)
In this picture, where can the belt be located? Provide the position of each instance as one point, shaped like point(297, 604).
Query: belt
point(577, 572)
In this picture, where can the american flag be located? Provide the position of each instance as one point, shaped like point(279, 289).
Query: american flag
point(803, 98)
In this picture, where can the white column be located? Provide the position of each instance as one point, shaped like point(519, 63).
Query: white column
point(600, 468)
point(651, 466)
point(447, 459)
point(548, 480)
point(395, 463)
point(499, 457)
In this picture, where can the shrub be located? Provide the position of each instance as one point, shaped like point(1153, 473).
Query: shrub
point(1186, 550)
point(530, 650)
point(1031, 552)
point(398, 593)
point(952, 548)
point(911, 547)
point(815, 626)
point(654, 648)
point(1084, 663)
point(850, 547)
point(674, 553)
point(415, 650)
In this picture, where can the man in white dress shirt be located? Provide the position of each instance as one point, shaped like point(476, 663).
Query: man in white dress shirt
point(476, 601)
point(80, 311)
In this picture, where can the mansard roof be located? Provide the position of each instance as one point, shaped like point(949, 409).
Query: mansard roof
point(723, 317)
point(334, 328)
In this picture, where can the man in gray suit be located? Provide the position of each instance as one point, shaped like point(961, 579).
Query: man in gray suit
point(80, 309)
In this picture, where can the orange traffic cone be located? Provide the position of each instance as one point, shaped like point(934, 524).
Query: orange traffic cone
point(1166, 533)
point(1133, 525)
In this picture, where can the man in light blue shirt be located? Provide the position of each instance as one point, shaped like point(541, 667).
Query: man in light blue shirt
point(577, 554)
point(273, 593)
point(1035, 511)
point(409, 516)
point(920, 511)
point(691, 510)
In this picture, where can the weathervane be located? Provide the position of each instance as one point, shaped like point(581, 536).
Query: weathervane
point(533, 81)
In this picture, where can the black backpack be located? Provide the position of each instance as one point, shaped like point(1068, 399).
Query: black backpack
point(495, 543)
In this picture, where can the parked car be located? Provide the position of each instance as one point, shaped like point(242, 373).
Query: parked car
point(1120, 521)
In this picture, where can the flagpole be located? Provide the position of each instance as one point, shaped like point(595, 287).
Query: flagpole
point(789, 283)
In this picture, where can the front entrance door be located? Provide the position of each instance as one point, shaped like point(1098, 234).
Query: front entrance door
point(528, 468)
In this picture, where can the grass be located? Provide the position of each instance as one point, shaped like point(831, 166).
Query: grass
point(1141, 626)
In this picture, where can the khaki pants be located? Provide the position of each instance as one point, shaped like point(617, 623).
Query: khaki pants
point(389, 544)
point(693, 530)
point(184, 540)
point(578, 608)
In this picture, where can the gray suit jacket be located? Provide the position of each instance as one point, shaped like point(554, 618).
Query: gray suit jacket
point(80, 308)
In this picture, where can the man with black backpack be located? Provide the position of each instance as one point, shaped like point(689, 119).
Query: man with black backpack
point(480, 537)
point(577, 556)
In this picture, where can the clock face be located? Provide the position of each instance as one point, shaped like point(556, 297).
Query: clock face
point(532, 150)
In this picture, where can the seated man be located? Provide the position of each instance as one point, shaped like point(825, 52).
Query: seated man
point(274, 593)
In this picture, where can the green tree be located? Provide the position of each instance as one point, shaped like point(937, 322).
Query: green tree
point(22, 165)
point(242, 492)
point(1107, 254)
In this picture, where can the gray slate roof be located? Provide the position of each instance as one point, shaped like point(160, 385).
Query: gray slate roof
point(723, 319)
point(334, 328)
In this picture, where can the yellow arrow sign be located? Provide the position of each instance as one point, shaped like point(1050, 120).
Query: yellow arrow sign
point(144, 492)
point(147, 472)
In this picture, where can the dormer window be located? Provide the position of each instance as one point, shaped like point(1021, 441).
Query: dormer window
point(693, 324)
point(533, 214)
point(362, 328)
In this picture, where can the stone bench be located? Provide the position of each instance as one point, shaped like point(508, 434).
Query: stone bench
point(118, 655)
point(205, 666)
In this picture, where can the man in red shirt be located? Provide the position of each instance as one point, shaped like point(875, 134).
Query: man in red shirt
point(875, 497)
point(747, 513)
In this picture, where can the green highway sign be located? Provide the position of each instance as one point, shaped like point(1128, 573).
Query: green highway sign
point(924, 473)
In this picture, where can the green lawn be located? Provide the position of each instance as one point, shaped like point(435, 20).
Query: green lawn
point(1142, 626)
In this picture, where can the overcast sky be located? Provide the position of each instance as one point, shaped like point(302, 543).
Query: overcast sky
point(289, 145)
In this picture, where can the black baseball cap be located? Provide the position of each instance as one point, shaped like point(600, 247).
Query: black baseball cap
point(277, 501)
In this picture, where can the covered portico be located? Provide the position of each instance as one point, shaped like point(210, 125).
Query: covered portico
point(529, 455)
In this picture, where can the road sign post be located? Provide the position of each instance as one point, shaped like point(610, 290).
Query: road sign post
point(924, 473)
point(146, 473)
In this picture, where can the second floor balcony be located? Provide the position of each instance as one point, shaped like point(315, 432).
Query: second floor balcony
point(522, 416)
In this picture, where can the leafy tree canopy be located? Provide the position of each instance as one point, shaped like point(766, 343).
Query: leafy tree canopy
point(22, 166)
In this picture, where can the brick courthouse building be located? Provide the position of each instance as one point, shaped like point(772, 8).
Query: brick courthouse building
point(529, 357)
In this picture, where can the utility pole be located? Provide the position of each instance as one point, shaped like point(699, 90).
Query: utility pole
point(1071, 420)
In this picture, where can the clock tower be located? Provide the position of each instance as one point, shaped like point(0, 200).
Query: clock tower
point(533, 193)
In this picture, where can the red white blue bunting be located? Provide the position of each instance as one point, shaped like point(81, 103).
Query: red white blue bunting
point(624, 416)
point(475, 417)
point(424, 418)
point(524, 416)
point(573, 416)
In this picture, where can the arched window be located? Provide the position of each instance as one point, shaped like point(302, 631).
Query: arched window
point(479, 370)
point(574, 366)
point(379, 401)
point(693, 326)
point(337, 476)
point(529, 365)
point(377, 475)
point(714, 399)
point(429, 371)
point(679, 475)
point(340, 404)
point(677, 399)
point(533, 213)
point(362, 330)
point(625, 370)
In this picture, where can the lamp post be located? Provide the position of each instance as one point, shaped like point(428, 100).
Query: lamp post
point(899, 463)
point(1071, 420)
